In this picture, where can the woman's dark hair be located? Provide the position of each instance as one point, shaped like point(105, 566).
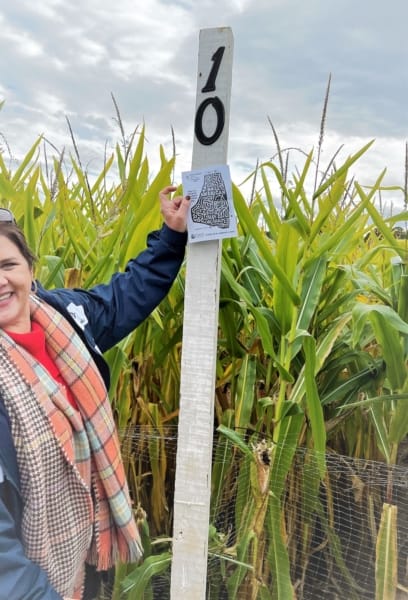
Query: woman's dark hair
point(16, 236)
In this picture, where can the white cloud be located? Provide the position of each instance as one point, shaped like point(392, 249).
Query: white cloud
point(48, 9)
point(19, 41)
point(51, 104)
point(59, 58)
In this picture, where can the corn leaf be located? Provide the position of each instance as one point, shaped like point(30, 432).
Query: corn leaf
point(386, 555)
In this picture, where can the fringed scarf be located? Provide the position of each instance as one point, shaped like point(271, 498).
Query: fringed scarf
point(76, 501)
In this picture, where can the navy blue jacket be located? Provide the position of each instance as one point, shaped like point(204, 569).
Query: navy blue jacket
point(102, 316)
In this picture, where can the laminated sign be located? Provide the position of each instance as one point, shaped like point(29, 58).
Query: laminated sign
point(211, 214)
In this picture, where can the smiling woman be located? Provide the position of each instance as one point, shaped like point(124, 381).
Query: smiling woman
point(16, 274)
point(59, 449)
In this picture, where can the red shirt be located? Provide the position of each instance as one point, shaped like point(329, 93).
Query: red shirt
point(34, 343)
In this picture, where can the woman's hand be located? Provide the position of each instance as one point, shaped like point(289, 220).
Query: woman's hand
point(174, 211)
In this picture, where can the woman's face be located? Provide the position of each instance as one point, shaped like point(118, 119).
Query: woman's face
point(15, 286)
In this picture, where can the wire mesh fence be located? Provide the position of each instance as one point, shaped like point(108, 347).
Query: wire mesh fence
point(329, 525)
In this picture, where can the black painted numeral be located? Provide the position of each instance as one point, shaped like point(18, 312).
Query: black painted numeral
point(216, 58)
point(218, 106)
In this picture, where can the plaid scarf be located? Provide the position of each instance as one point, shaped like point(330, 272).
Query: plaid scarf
point(75, 497)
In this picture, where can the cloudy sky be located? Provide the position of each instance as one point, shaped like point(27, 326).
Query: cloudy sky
point(63, 59)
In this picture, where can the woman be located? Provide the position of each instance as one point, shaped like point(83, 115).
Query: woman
point(64, 501)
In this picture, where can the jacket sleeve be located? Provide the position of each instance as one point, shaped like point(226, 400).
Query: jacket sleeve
point(115, 309)
point(20, 578)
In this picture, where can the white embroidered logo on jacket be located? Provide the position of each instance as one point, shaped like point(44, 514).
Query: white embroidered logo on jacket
point(78, 314)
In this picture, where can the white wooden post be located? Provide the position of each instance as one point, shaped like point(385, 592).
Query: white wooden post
point(198, 360)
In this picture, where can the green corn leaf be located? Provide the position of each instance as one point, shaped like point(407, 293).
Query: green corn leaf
point(380, 223)
point(392, 351)
point(403, 298)
point(244, 502)
point(285, 438)
point(386, 564)
point(103, 269)
point(364, 281)
point(398, 428)
point(228, 325)
point(269, 212)
point(367, 402)
point(55, 271)
point(323, 349)
point(235, 580)
point(326, 206)
point(337, 552)
point(236, 439)
point(245, 394)
point(386, 325)
point(221, 464)
point(314, 407)
point(278, 555)
point(377, 416)
point(241, 292)
point(7, 190)
point(117, 359)
point(120, 163)
point(246, 219)
point(341, 170)
point(137, 581)
point(311, 480)
point(84, 191)
point(285, 191)
point(137, 157)
point(286, 256)
point(236, 252)
point(30, 231)
point(300, 209)
point(264, 330)
point(350, 386)
point(147, 213)
point(343, 234)
point(141, 184)
point(100, 180)
point(20, 172)
point(312, 284)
